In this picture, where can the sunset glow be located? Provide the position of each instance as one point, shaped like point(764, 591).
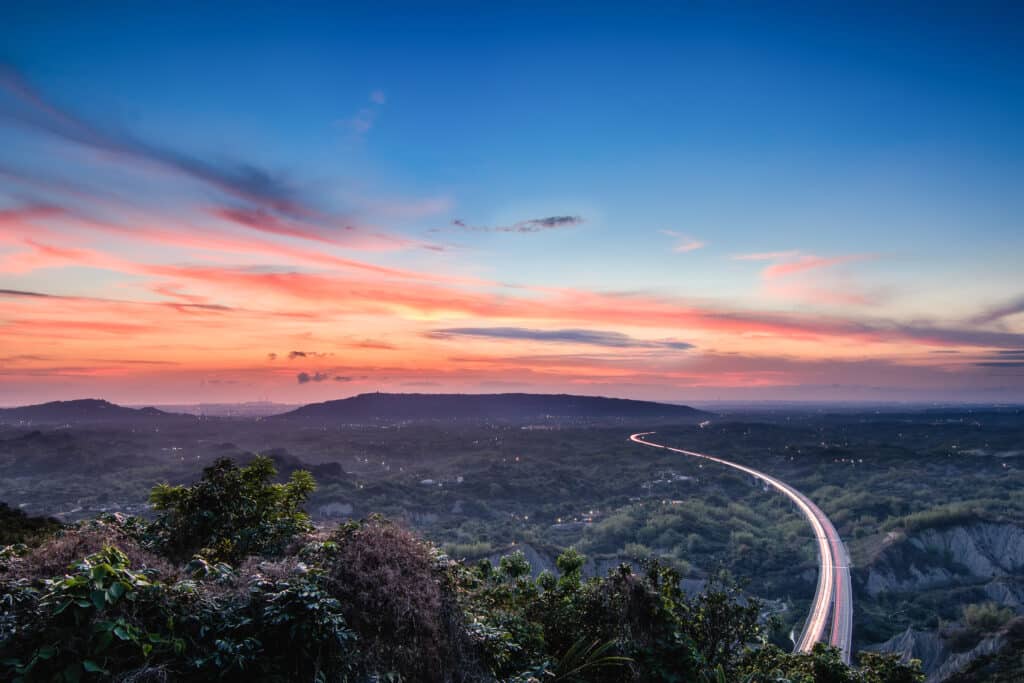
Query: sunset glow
point(302, 214)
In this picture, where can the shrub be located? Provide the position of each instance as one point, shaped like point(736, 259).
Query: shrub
point(232, 512)
point(101, 617)
point(67, 548)
point(17, 527)
point(823, 664)
point(986, 617)
point(395, 596)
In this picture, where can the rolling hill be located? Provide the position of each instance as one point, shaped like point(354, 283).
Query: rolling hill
point(485, 406)
point(88, 410)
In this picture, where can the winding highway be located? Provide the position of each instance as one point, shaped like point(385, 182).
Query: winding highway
point(833, 596)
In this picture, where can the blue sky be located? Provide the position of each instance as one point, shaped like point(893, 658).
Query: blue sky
point(877, 146)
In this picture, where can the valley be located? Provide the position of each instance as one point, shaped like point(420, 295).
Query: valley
point(928, 501)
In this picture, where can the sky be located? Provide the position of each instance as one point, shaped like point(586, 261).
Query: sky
point(689, 202)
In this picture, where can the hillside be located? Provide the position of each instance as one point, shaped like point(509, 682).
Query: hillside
point(201, 592)
point(486, 406)
point(78, 411)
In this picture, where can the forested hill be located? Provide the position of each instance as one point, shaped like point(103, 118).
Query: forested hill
point(78, 411)
point(486, 406)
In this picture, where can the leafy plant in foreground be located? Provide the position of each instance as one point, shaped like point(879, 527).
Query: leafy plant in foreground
point(89, 619)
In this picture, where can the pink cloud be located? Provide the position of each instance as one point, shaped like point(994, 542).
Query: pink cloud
point(767, 256)
point(689, 246)
point(685, 244)
point(805, 262)
point(31, 226)
point(805, 277)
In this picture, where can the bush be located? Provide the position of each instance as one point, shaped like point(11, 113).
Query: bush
point(68, 547)
point(102, 616)
point(986, 617)
point(17, 527)
point(106, 619)
point(824, 665)
point(232, 512)
point(395, 596)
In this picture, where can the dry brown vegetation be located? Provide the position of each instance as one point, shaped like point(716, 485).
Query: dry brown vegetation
point(54, 556)
point(395, 600)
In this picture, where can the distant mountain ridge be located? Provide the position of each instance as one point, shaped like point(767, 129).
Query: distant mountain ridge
point(78, 411)
point(484, 406)
point(379, 406)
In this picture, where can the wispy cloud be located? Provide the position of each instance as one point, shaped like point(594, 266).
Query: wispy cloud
point(796, 261)
point(372, 344)
point(527, 226)
point(997, 313)
point(29, 225)
point(242, 180)
point(767, 256)
point(586, 337)
point(684, 243)
point(252, 196)
point(21, 292)
point(290, 294)
point(803, 276)
point(364, 119)
point(805, 262)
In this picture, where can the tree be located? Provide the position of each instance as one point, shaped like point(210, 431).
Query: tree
point(231, 512)
point(721, 621)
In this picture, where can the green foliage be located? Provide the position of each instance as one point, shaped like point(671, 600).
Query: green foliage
point(621, 627)
point(18, 528)
point(939, 517)
point(373, 602)
point(85, 622)
point(232, 512)
point(105, 619)
point(871, 472)
point(280, 628)
point(824, 665)
point(986, 617)
point(583, 658)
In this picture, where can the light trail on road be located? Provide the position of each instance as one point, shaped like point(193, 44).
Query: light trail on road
point(833, 589)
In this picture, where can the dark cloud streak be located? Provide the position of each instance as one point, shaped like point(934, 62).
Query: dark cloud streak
point(305, 377)
point(528, 226)
point(571, 336)
point(997, 313)
point(242, 180)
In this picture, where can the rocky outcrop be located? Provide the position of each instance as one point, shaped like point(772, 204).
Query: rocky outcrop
point(937, 557)
point(937, 661)
point(987, 556)
point(924, 645)
point(1005, 663)
point(956, 663)
point(1007, 591)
